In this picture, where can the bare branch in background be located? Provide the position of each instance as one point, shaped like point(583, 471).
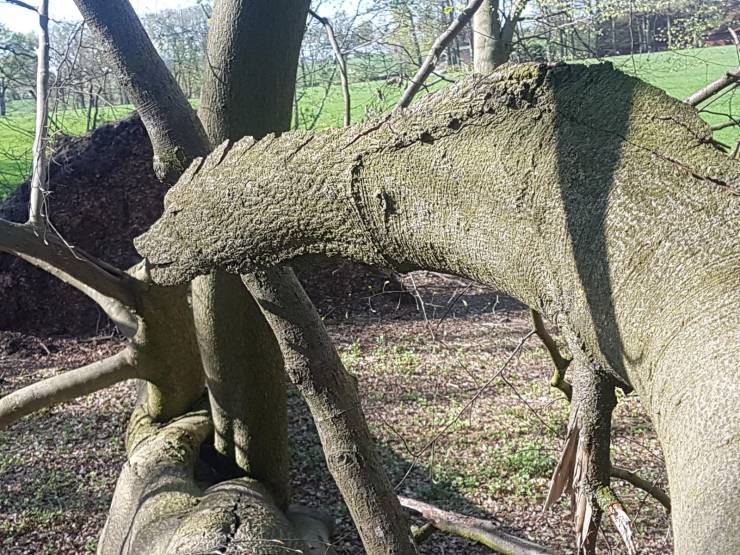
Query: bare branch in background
point(728, 79)
point(476, 529)
point(435, 52)
point(21, 5)
point(39, 178)
point(341, 62)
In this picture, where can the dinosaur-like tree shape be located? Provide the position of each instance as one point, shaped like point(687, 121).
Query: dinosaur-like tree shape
point(620, 225)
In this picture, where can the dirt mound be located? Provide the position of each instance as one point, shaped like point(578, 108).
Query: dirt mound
point(103, 194)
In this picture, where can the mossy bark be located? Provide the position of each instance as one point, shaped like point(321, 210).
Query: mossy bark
point(249, 80)
point(620, 225)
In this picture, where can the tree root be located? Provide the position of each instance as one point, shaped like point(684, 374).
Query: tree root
point(159, 508)
point(476, 529)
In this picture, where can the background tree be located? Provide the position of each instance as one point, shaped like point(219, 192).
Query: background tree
point(17, 66)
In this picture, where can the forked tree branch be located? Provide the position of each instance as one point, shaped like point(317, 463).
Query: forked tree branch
point(476, 529)
point(93, 277)
point(341, 62)
point(67, 386)
point(435, 52)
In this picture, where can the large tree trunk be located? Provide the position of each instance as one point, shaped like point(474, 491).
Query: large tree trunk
point(620, 226)
point(244, 377)
point(486, 30)
point(493, 36)
point(248, 86)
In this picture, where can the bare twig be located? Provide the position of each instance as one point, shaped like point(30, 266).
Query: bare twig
point(39, 177)
point(21, 5)
point(67, 386)
point(436, 51)
point(561, 363)
point(476, 529)
point(467, 406)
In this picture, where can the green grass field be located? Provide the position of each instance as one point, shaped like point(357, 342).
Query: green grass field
point(679, 73)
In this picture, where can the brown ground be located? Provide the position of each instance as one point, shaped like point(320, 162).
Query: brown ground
point(417, 375)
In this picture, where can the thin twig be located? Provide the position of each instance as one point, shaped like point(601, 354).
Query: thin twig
point(436, 51)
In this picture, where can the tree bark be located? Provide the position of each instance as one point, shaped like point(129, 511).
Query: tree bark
point(520, 180)
point(494, 37)
point(39, 176)
point(176, 134)
point(248, 87)
point(486, 29)
point(239, 31)
point(314, 366)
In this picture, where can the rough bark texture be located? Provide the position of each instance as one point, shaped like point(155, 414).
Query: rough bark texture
point(173, 127)
point(314, 366)
point(619, 225)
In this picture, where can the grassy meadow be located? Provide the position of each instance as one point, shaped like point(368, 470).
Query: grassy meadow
point(679, 73)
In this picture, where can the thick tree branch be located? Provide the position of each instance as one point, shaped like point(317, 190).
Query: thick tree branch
point(67, 386)
point(74, 266)
point(435, 52)
point(314, 366)
point(176, 134)
point(729, 78)
point(476, 529)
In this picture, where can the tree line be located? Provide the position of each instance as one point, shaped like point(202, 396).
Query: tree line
point(379, 40)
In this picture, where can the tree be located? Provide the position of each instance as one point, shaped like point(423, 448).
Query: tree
point(574, 223)
point(493, 33)
point(518, 179)
point(17, 62)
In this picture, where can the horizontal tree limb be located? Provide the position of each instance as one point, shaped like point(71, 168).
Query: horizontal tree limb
point(476, 529)
point(67, 386)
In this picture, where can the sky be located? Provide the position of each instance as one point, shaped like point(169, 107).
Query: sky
point(24, 21)
point(21, 20)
